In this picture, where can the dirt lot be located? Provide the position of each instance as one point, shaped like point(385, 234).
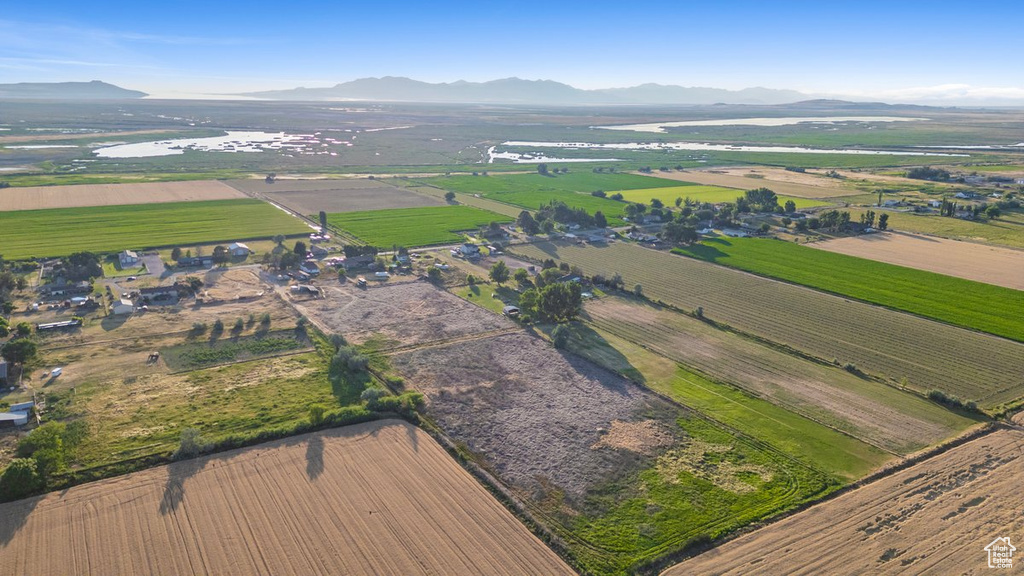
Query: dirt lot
point(989, 264)
point(405, 313)
point(41, 197)
point(539, 418)
point(377, 498)
point(312, 196)
point(935, 518)
point(782, 182)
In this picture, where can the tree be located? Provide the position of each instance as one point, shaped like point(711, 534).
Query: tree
point(599, 193)
point(20, 351)
point(279, 239)
point(527, 223)
point(762, 199)
point(993, 211)
point(560, 302)
point(239, 326)
point(599, 220)
point(679, 233)
point(434, 274)
point(221, 255)
point(521, 276)
point(790, 206)
point(323, 220)
point(616, 196)
point(657, 203)
point(679, 201)
point(883, 221)
point(542, 169)
point(638, 290)
point(47, 447)
point(20, 479)
point(449, 196)
point(879, 198)
point(176, 253)
point(300, 248)
point(218, 326)
point(499, 272)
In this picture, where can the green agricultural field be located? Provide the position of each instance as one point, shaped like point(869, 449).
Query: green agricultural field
point(414, 226)
point(1007, 230)
point(712, 194)
point(61, 231)
point(966, 303)
point(875, 340)
point(532, 190)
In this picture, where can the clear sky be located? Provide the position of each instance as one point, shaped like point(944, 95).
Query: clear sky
point(892, 50)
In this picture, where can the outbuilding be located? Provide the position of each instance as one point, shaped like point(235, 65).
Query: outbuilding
point(510, 311)
point(12, 419)
point(122, 306)
point(238, 250)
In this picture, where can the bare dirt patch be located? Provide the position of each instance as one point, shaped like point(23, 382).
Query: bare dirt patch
point(534, 415)
point(782, 182)
point(80, 195)
point(645, 437)
point(989, 264)
point(377, 498)
point(935, 517)
point(406, 313)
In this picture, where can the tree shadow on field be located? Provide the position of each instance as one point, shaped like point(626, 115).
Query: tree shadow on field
point(314, 456)
point(174, 489)
point(13, 517)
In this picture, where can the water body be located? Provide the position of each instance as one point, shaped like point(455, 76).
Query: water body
point(238, 141)
point(659, 127)
point(704, 147)
point(518, 158)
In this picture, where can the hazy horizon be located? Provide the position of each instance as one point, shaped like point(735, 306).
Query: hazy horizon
point(934, 53)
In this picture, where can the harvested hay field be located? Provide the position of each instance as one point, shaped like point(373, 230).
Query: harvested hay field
point(312, 196)
point(376, 498)
point(933, 518)
point(80, 195)
point(796, 184)
point(403, 314)
point(989, 264)
point(620, 475)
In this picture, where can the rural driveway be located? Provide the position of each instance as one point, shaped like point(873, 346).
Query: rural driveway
point(154, 265)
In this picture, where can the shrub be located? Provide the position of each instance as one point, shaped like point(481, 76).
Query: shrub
point(20, 479)
point(316, 414)
point(560, 336)
point(372, 397)
point(239, 326)
point(218, 326)
point(190, 445)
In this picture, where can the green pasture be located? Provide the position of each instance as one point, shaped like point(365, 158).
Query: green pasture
point(413, 226)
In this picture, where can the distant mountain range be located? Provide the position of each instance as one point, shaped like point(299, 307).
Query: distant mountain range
point(94, 90)
point(519, 91)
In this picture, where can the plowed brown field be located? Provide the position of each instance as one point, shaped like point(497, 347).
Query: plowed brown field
point(782, 182)
point(42, 197)
point(376, 498)
point(933, 518)
point(989, 264)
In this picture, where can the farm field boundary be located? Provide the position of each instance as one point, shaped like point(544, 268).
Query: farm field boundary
point(82, 195)
point(874, 340)
point(965, 303)
point(244, 523)
point(968, 260)
point(411, 227)
point(61, 231)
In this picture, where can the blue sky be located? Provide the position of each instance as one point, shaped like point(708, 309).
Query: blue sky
point(896, 50)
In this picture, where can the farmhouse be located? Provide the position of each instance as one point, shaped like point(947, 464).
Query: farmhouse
point(191, 261)
point(357, 262)
point(122, 306)
point(318, 251)
point(310, 267)
point(159, 293)
point(65, 289)
point(128, 258)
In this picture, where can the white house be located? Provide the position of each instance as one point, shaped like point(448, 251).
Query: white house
point(122, 306)
point(239, 249)
point(128, 258)
point(935, 203)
